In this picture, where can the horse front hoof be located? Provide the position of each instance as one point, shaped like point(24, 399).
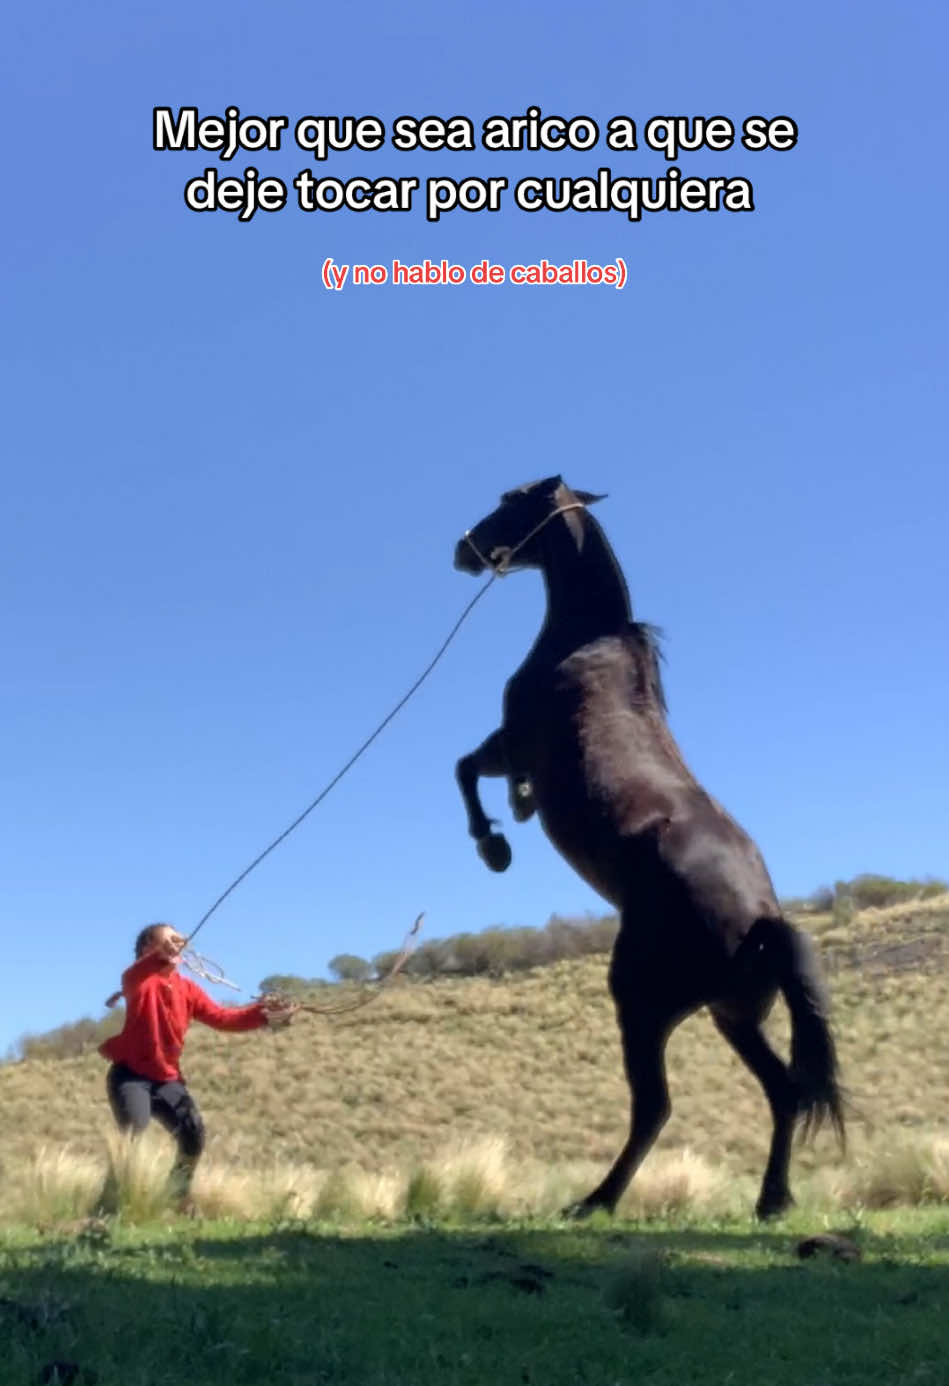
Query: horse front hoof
point(495, 851)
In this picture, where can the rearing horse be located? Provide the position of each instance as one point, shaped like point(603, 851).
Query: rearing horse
point(584, 742)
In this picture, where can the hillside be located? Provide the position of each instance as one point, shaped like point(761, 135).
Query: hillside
point(533, 1058)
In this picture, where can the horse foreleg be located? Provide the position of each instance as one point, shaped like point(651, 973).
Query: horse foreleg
point(751, 1046)
point(644, 1048)
point(489, 759)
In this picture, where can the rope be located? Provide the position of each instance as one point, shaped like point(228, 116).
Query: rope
point(350, 763)
point(497, 570)
point(209, 971)
point(202, 967)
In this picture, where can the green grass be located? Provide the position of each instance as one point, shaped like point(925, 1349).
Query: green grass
point(542, 1304)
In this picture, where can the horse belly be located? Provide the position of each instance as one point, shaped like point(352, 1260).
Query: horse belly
point(577, 827)
point(583, 751)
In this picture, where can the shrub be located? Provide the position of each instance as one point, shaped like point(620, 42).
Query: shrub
point(289, 985)
point(383, 963)
point(876, 892)
point(867, 891)
point(71, 1040)
point(844, 906)
point(347, 967)
point(873, 892)
point(498, 951)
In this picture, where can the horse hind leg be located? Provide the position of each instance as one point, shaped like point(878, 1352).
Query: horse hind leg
point(644, 1055)
point(748, 1042)
point(521, 798)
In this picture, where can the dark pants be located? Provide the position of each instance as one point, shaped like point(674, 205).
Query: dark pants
point(135, 1100)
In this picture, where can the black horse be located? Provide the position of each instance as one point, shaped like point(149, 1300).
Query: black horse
point(584, 741)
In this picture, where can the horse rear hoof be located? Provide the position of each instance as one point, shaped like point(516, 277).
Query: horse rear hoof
point(495, 852)
point(772, 1205)
point(578, 1212)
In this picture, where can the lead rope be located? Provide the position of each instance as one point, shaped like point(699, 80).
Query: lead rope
point(203, 967)
point(350, 763)
point(209, 971)
point(498, 569)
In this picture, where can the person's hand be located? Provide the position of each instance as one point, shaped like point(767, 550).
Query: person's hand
point(279, 1010)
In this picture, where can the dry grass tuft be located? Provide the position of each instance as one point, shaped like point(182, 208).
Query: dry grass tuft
point(273, 1194)
point(474, 1179)
point(680, 1181)
point(138, 1175)
point(56, 1186)
point(907, 1170)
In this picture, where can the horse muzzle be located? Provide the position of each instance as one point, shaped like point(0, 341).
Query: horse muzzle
point(467, 559)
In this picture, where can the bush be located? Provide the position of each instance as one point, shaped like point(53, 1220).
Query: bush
point(71, 1040)
point(347, 967)
point(286, 984)
point(498, 951)
point(844, 905)
point(383, 963)
point(864, 892)
point(876, 892)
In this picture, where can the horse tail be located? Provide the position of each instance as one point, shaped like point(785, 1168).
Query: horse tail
point(791, 959)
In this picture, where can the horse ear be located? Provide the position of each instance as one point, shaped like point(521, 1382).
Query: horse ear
point(549, 483)
point(587, 497)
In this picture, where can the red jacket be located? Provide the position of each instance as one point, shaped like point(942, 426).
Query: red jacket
point(159, 1006)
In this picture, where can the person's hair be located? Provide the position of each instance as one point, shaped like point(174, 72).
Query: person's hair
point(144, 938)
point(142, 942)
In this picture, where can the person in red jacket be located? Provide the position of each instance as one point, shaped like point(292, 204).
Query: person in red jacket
point(145, 1079)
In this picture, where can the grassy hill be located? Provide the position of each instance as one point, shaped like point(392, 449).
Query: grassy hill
point(532, 1060)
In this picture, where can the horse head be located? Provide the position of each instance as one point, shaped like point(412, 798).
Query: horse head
point(509, 537)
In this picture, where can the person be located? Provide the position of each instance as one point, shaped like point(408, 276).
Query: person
point(144, 1079)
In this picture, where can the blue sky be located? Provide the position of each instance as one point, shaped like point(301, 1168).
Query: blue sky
point(231, 497)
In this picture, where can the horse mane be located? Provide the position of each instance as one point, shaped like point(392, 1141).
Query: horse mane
point(619, 576)
point(647, 647)
point(645, 638)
